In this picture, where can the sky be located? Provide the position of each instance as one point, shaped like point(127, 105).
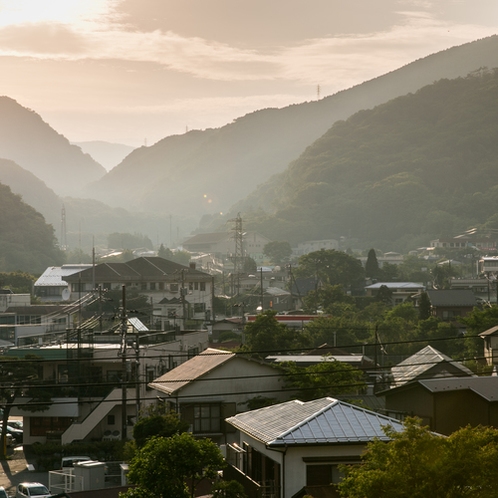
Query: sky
point(136, 71)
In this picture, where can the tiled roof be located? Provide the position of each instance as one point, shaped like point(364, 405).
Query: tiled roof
point(396, 285)
point(419, 363)
point(191, 370)
point(321, 421)
point(490, 331)
point(452, 297)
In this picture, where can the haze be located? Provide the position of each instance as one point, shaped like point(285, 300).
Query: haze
point(135, 71)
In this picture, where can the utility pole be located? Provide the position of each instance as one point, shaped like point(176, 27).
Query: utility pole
point(124, 373)
point(262, 296)
point(238, 255)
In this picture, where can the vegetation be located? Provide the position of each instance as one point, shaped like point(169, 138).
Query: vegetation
point(417, 463)
point(128, 241)
point(278, 252)
point(18, 282)
point(26, 241)
point(171, 467)
point(417, 168)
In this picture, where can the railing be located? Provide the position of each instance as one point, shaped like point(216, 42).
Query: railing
point(253, 489)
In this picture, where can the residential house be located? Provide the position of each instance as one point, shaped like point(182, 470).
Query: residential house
point(448, 403)
point(155, 277)
point(490, 337)
point(287, 450)
point(483, 289)
point(51, 286)
point(215, 385)
point(451, 304)
point(399, 291)
point(90, 376)
point(428, 363)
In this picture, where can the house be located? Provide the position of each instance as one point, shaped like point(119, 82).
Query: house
point(448, 403)
point(284, 448)
point(90, 376)
point(155, 277)
point(427, 363)
point(215, 385)
point(490, 337)
point(51, 286)
point(451, 304)
point(399, 291)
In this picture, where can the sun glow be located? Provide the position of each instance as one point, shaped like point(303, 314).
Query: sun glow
point(18, 12)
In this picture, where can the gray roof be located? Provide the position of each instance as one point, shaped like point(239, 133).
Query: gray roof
point(452, 297)
point(486, 387)
point(53, 276)
point(490, 331)
point(192, 369)
point(419, 363)
point(321, 421)
point(396, 285)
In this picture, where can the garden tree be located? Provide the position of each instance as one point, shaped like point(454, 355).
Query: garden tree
point(18, 282)
point(165, 252)
point(156, 422)
point(21, 377)
point(424, 306)
point(442, 274)
point(372, 265)
point(327, 378)
point(77, 255)
point(331, 267)
point(389, 273)
point(266, 335)
point(278, 252)
point(166, 467)
point(384, 295)
point(417, 463)
point(228, 489)
point(413, 269)
point(433, 332)
point(250, 265)
point(327, 298)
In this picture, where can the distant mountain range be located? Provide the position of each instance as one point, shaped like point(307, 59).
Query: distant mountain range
point(252, 165)
point(105, 153)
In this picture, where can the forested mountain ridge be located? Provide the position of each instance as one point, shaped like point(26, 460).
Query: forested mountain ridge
point(418, 167)
point(27, 242)
point(30, 142)
point(208, 171)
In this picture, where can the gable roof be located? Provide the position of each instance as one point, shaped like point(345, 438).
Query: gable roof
point(452, 297)
point(174, 380)
point(396, 285)
point(420, 363)
point(321, 421)
point(490, 331)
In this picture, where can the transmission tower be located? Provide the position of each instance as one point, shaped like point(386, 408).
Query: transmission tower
point(238, 256)
point(63, 229)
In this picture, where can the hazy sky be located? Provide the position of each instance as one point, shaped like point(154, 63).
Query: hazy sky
point(131, 71)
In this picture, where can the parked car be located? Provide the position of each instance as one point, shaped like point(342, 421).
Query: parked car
point(30, 489)
point(3, 493)
point(16, 434)
point(69, 461)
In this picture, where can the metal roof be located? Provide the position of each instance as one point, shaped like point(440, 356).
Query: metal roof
point(321, 421)
point(53, 276)
point(191, 370)
point(396, 285)
point(452, 297)
point(419, 363)
point(486, 387)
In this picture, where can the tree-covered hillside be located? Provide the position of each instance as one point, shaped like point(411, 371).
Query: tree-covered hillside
point(418, 167)
point(26, 242)
point(207, 171)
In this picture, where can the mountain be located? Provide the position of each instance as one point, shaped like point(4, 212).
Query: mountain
point(30, 142)
point(105, 153)
point(418, 167)
point(27, 242)
point(208, 171)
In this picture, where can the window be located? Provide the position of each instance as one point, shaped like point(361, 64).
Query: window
point(143, 286)
point(203, 286)
point(78, 287)
point(173, 287)
point(40, 426)
point(196, 285)
point(199, 307)
point(207, 418)
point(111, 419)
point(191, 286)
point(153, 286)
point(161, 285)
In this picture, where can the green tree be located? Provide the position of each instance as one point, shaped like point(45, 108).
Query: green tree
point(18, 282)
point(158, 424)
point(128, 241)
point(278, 252)
point(331, 267)
point(417, 463)
point(424, 306)
point(327, 378)
point(266, 335)
point(228, 489)
point(372, 265)
point(165, 467)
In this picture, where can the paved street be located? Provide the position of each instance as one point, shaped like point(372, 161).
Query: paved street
point(15, 470)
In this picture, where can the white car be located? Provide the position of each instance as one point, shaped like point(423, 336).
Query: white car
point(30, 489)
